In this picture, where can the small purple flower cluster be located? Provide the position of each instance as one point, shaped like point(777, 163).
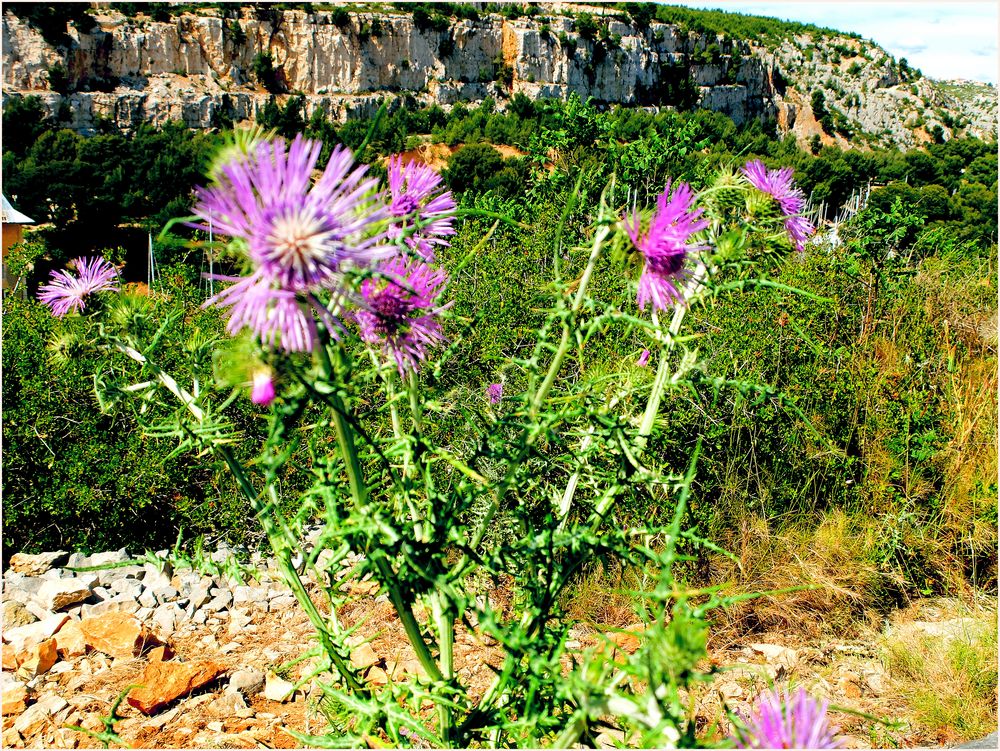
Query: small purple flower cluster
point(783, 721)
point(665, 245)
point(778, 184)
point(302, 238)
point(67, 292)
point(494, 392)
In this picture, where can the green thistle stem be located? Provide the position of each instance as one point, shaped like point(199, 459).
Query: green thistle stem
point(359, 493)
point(277, 541)
point(536, 403)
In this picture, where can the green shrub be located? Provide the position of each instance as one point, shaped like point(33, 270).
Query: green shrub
point(61, 488)
point(586, 26)
point(340, 17)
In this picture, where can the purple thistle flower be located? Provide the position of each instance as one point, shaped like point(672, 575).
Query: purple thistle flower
point(413, 190)
point(301, 236)
point(664, 245)
point(494, 392)
point(67, 292)
point(779, 185)
point(781, 721)
point(399, 311)
point(262, 391)
point(278, 316)
point(643, 359)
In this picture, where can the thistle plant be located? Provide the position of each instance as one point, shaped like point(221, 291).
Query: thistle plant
point(343, 320)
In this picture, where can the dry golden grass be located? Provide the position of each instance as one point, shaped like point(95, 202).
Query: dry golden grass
point(829, 559)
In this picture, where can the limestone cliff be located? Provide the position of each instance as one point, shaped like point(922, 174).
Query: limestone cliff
point(197, 68)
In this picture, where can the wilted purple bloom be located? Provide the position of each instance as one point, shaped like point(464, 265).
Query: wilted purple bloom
point(665, 246)
point(414, 191)
point(399, 310)
point(494, 392)
point(778, 183)
point(643, 359)
point(301, 236)
point(67, 292)
point(262, 391)
point(781, 721)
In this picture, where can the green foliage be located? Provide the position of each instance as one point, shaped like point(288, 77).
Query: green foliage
point(59, 488)
point(265, 73)
point(427, 17)
point(340, 17)
point(235, 32)
point(479, 168)
point(287, 121)
point(737, 25)
point(586, 26)
point(58, 79)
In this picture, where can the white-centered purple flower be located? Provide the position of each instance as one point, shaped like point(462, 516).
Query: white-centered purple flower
point(399, 311)
point(494, 392)
point(665, 245)
point(300, 236)
point(783, 721)
point(418, 203)
point(779, 185)
point(67, 292)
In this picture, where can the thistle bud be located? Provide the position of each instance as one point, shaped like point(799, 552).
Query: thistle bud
point(262, 391)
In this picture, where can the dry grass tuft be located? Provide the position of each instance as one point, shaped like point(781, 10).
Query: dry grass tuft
point(604, 596)
point(830, 558)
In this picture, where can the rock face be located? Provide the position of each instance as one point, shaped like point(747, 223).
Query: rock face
point(197, 68)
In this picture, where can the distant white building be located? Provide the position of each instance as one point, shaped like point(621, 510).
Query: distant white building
point(13, 231)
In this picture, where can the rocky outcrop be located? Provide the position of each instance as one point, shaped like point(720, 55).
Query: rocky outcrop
point(198, 69)
point(871, 97)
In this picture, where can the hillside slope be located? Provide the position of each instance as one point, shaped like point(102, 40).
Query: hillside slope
point(223, 65)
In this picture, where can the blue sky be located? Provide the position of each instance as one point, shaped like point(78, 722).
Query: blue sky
point(944, 39)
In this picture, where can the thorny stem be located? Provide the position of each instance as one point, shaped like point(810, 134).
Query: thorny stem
point(599, 237)
point(446, 635)
point(663, 368)
point(543, 390)
point(276, 539)
point(359, 493)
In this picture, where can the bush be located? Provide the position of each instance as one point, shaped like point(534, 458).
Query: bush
point(58, 79)
point(264, 72)
point(236, 34)
point(473, 167)
point(340, 17)
point(59, 489)
point(586, 26)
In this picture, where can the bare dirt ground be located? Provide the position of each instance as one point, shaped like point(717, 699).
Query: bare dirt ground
point(851, 673)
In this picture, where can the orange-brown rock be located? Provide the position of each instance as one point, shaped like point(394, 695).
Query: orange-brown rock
point(70, 641)
point(37, 659)
point(9, 658)
point(15, 699)
point(117, 634)
point(163, 682)
point(627, 641)
point(161, 653)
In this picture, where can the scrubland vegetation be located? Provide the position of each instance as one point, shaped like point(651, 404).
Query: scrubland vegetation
point(867, 466)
